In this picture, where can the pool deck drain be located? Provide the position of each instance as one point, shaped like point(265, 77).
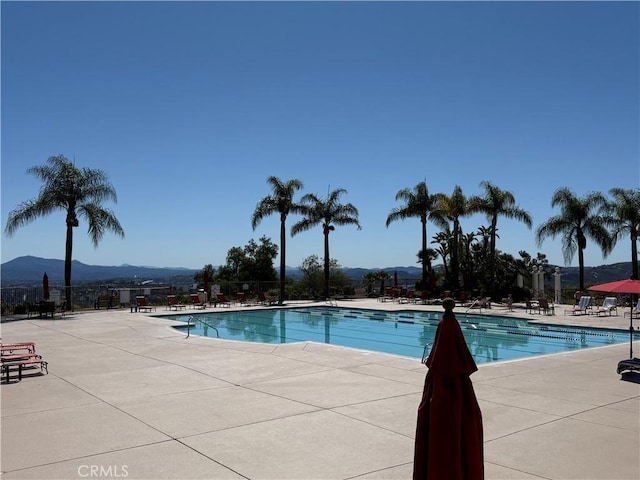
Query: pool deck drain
point(129, 397)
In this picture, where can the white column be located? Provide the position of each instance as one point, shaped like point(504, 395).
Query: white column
point(540, 281)
point(558, 285)
point(534, 282)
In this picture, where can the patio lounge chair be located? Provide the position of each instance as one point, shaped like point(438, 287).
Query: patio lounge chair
point(264, 300)
point(635, 312)
point(583, 307)
point(21, 361)
point(530, 306)
point(222, 300)
point(195, 300)
point(9, 348)
point(141, 303)
point(424, 297)
point(242, 299)
point(173, 304)
point(609, 304)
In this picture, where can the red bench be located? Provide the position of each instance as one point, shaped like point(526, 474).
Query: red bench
point(27, 361)
point(13, 347)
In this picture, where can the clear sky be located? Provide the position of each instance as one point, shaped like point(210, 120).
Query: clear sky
point(189, 107)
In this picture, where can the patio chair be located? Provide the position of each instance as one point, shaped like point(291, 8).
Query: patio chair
point(264, 300)
point(609, 304)
point(222, 300)
point(635, 312)
point(544, 307)
point(173, 304)
point(242, 299)
point(584, 306)
point(143, 306)
point(531, 306)
point(196, 302)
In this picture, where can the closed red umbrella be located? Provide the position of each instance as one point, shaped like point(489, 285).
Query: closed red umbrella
point(45, 286)
point(449, 433)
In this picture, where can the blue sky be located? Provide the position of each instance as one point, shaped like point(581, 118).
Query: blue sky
point(189, 107)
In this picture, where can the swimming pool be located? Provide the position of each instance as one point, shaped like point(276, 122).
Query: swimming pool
point(490, 338)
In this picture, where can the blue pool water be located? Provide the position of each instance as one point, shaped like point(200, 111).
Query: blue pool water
point(490, 338)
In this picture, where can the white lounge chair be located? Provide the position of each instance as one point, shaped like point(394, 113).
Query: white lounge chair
point(583, 307)
point(635, 313)
point(609, 304)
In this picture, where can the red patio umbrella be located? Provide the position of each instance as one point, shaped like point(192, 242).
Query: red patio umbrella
point(632, 287)
point(449, 431)
point(45, 286)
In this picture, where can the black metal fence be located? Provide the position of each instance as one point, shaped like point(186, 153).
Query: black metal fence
point(18, 300)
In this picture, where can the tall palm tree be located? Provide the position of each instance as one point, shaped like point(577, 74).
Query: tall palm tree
point(418, 203)
point(80, 192)
point(494, 203)
point(281, 201)
point(327, 212)
point(576, 222)
point(623, 214)
point(450, 208)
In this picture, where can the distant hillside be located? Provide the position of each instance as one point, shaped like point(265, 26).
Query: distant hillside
point(30, 269)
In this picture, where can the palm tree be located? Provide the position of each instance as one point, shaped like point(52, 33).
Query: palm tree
point(370, 279)
point(444, 240)
point(495, 203)
point(467, 262)
point(451, 209)
point(576, 222)
point(428, 256)
point(623, 214)
point(418, 203)
point(485, 233)
point(281, 201)
point(79, 192)
point(328, 213)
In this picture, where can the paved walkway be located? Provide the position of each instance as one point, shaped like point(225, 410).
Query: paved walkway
point(128, 397)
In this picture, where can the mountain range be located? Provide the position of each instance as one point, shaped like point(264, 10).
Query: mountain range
point(29, 269)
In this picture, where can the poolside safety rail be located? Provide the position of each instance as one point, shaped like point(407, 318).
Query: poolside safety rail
point(189, 324)
point(425, 356)
point(478, 302)
point(332, 302)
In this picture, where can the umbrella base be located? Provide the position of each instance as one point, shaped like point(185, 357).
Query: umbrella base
point(632, 364)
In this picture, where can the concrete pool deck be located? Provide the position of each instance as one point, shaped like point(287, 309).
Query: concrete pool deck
point(128, 397)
